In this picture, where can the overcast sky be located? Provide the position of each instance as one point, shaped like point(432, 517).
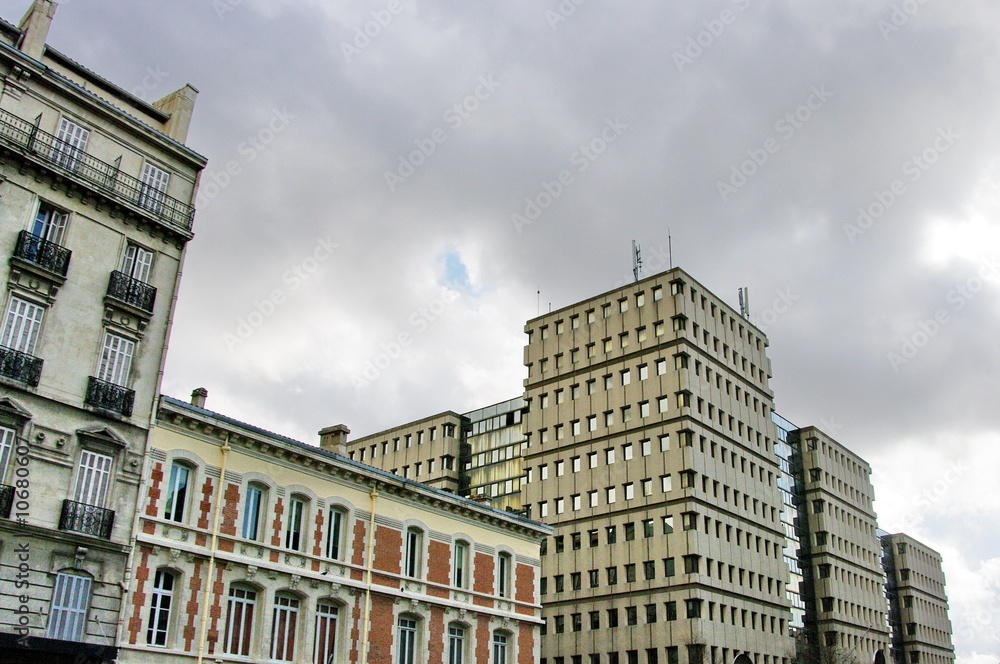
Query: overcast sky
point(391, 183)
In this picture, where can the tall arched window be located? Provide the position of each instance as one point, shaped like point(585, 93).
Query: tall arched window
point(253, 508)
point(325, 638)
point(336, 532)
point(413, 552)
point(503, 574)
point(283, 627)
point(406, 640)
point(460, 564)
point(177, 491)
point(161, 600)
point(295, 522)
point(456, 643)
point(500, 654)
point(239, 621)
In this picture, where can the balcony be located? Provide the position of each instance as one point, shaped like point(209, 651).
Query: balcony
point(6, 500)
point(20, 366)
point(86, 519)
point(27, 139)
point(41, 252)
point(108, 396)
point(131, 291)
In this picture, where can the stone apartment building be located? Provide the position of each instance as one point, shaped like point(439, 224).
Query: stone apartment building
point(96, 193)
point(921, 630)
point(252, 546)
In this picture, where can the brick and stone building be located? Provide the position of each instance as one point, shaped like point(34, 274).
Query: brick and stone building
point(96, 194)
point(252, 547)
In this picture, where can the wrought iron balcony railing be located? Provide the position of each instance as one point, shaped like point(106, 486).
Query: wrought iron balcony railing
point(20, 366)
point(86, 519)
point(43, 253)
point(106, 178)
point(6, 501)
point(109, 396)
point(131, 291)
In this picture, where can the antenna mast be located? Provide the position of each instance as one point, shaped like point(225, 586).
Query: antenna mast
point(670, 250)
point(636, 260)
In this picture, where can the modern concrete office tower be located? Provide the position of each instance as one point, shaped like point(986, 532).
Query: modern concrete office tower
point(96, 192)
point(844, 584)
point(651, 450)
point(918, 606)
point(254, 547)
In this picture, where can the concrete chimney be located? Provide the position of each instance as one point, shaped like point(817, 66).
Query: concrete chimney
point(334, 439)
point(180, 106)
point(198, 397)
point(35, 26)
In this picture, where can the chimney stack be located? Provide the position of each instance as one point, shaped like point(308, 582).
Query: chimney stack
point(35, 26)
point(179, 104)
point(198, 397)
point(334, 439)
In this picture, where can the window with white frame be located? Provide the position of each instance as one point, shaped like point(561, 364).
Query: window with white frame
point(459, 564)
point(294, 523)
point(406, 648)
point(159, 608)
point(252, 512)
point(93, 478)
point(239, 621)
point(325, 638)
point(137, 262)
point(336, 532)
point(283, 626)
point(154, 187)
point(456, 644)
point(70, 144)
point(414, 552)
point(500, 648)
point(7, 436)
point(21, 325)
point(177, 490)
point(68, 611)
point(504, 564)
point(49, 223)
point(116, 359)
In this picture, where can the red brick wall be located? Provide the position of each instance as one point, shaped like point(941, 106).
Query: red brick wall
point(483, 639)
point(230, 509)
point(526, 644)
point(483, 581)
point(194, 590)
point(279, 509)
point(439, 568)
point(205, 506)
point(215, 613)
point(524, 586)
point(382, 630)
point(360, 548)
point(139, 596)
point(436, 636)
point(388, 555)
point(156, 479)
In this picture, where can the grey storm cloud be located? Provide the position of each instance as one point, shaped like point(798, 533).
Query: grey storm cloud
point(368, 163)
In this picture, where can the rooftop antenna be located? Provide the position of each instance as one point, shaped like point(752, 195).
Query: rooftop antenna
point(636, 260)
point(538, 301)
point(745, 302)
point(670, 250)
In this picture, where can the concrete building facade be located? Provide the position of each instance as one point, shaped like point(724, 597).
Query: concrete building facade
point(96, 208)
point(921, 630)
point(256, 547)
point(651, 451)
